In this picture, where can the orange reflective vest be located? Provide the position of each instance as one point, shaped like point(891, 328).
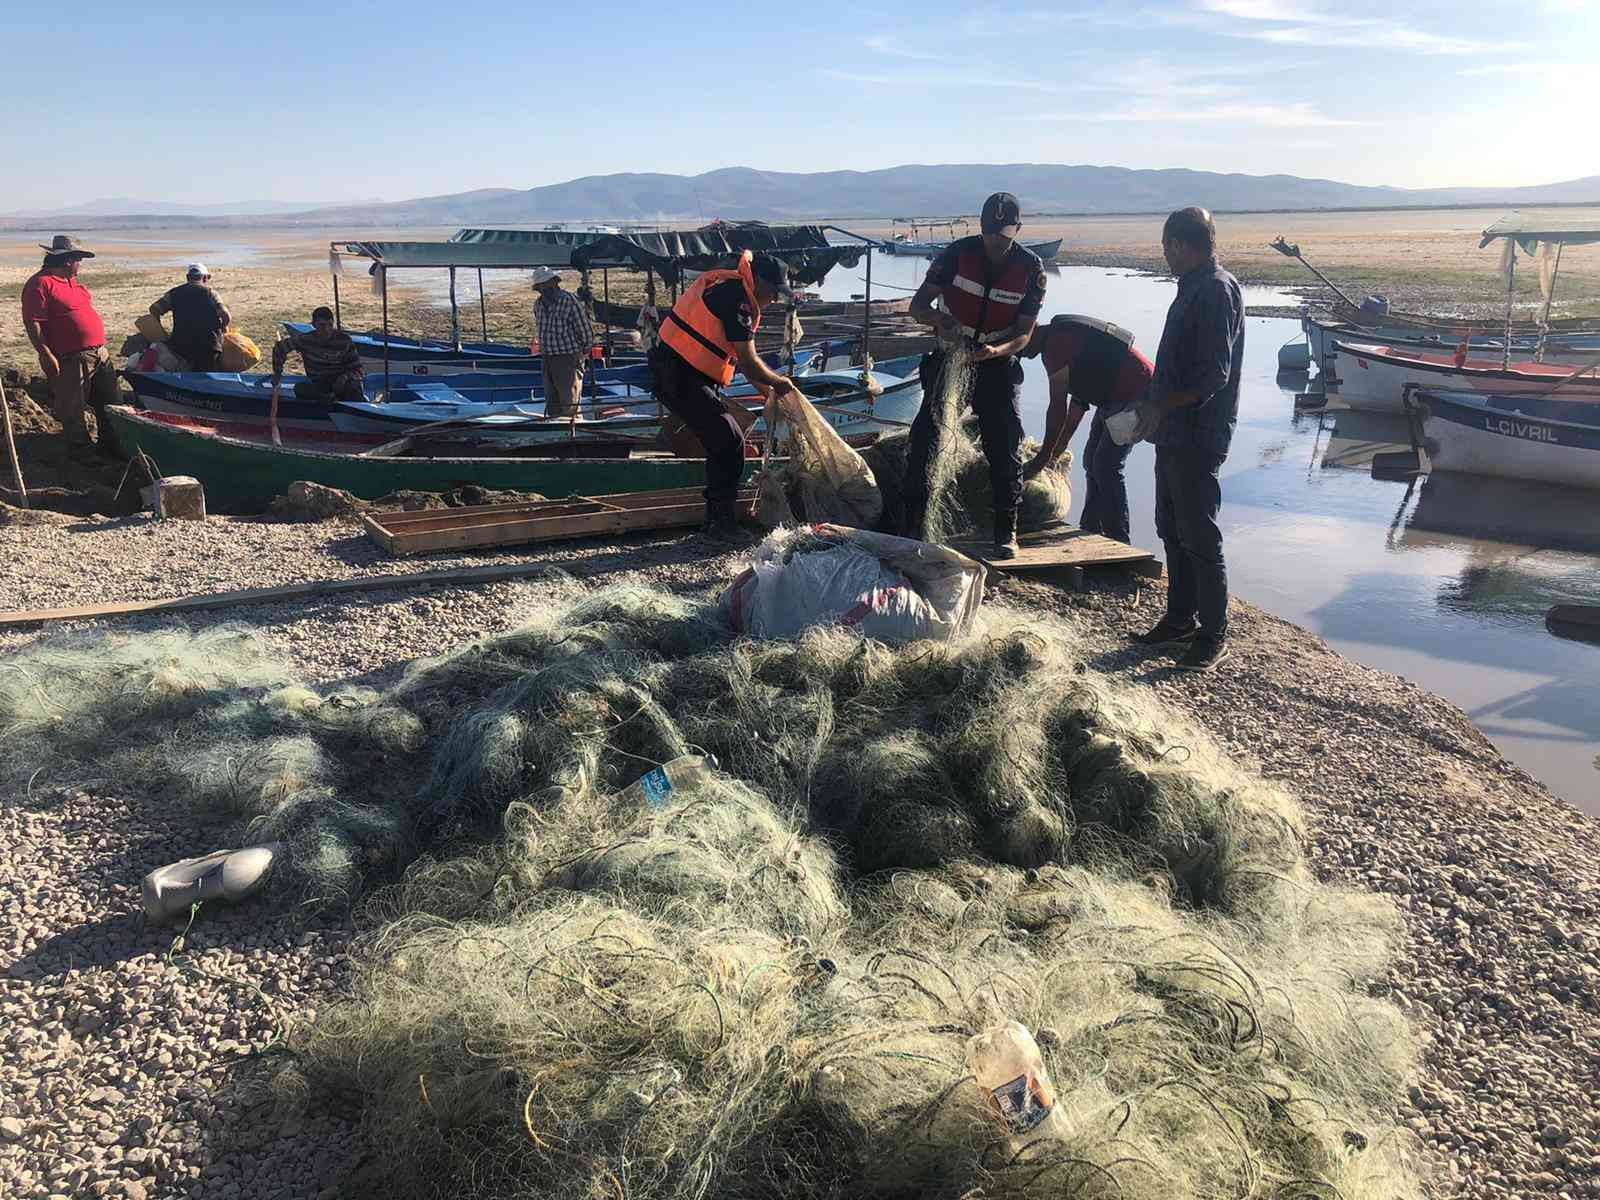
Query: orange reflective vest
point(696, 334)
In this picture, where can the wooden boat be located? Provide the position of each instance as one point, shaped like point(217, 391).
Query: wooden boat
point(1373, 377)
point(1579, 622)
point(1508, 436)
point(426, 356)
point(852, 408)
point(1322, 333)
point(1047, 251)
point(409, 400)
point(242, 470)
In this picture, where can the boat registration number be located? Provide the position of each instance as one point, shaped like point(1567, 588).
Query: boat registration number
point(1507, 427)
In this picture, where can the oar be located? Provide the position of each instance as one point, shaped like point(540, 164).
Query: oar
point(405, 441)
point(1293, 251)
point(1583, 370)
point(860, 416)
point(11, 447)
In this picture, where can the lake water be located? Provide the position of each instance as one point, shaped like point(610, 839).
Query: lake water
point(1445, 582)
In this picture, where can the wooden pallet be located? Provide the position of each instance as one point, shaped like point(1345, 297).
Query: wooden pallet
point(1061, 555)
point(479, 525)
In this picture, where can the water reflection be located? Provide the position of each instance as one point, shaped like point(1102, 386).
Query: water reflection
point(1443, 580)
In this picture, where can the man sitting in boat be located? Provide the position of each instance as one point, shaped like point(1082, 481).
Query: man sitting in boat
point(332, 362)
point(706, 339)
point(199, 319)
point(1096, 363)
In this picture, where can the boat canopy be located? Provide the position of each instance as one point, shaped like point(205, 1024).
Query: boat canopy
point(806, 247)
point(1531, 229)
point(541, 248)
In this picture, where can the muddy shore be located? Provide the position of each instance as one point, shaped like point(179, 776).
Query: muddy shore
point(126, 1070)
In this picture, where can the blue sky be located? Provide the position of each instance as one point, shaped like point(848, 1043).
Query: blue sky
point(204, 103)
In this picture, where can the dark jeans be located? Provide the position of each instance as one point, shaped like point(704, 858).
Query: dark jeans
point(1105, 498)
point(696, 401)
point(997, 401)
point(1188, 498)
point(349, 386)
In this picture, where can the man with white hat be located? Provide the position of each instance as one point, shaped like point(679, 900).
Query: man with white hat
point(198, 319)
point(565, 335)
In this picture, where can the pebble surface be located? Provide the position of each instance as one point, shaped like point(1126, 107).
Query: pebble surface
point(121, 1069)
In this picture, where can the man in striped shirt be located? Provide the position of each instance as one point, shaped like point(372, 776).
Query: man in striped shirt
point(332, 362)
point(565, 335)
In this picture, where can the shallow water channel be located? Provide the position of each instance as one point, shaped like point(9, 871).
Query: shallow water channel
point(1445, 582)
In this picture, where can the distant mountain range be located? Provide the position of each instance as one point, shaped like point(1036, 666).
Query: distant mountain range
point(123, 207)
point(736, 193)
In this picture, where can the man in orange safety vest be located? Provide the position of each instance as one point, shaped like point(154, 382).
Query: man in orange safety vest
point(708, 338)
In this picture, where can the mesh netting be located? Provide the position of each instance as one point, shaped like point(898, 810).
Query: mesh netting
point(763, 985)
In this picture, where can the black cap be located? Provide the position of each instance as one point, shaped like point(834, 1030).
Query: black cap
point(1000, 210)
point(771, 270)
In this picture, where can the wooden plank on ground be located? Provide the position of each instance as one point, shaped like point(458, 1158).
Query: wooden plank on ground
point(1063, 552)
point(488, 525)
point(247, 596)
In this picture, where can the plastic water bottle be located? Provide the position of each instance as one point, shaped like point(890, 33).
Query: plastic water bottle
point(655, 788)
point(1010, 1070)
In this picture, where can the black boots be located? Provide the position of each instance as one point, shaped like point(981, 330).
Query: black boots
point(1005, 535)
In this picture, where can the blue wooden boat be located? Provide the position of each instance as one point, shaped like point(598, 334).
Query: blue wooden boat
point(485, 405)
point(426, 356)
point(1539, 437)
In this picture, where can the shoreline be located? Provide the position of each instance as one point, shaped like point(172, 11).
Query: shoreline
point(1497, 879)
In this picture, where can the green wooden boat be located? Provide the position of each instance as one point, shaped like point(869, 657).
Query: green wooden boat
point(244, 474)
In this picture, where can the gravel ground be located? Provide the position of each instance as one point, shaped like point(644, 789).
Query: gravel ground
point(116, 1053)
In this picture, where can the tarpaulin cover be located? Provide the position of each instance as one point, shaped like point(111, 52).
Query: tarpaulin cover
point(804, 247)
point(457, 254)
point(1529, 230)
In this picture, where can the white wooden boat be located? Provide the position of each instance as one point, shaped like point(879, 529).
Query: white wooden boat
point(1373, 378)
point(1510, 437)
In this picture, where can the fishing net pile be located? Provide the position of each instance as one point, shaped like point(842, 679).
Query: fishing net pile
point(957, 485)
point(762, 984)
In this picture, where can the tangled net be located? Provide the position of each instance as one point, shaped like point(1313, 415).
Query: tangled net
point(763, 986)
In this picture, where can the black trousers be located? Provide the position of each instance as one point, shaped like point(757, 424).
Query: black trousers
point(696, 401)
point(997, 401)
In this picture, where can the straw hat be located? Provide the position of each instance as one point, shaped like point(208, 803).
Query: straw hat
point(62, 244)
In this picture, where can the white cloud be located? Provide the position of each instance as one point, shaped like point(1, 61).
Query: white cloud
point(1544, 70)
point(891, 47)
point(1303, 25)
point(1264, 10)
point(924, 80)
point(1299, 115)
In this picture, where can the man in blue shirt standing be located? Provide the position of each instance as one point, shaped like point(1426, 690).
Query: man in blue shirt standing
point(1189, 416)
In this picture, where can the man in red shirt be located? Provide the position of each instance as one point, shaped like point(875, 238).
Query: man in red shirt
point(70, 338)
point(1095, 361)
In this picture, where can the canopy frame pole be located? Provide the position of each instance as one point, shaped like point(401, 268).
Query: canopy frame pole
point(338, 318)
point(383, 283)
point(605, 295)
point(483, 308)
point(1511, 294)
point(455, 314)
point(866, 319)
point(1544, 317)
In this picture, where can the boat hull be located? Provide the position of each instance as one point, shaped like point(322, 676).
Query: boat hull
point(1045, 250)
point(1373, 378)
point(242, 475)
point(1321, 336)
point(1486, 435)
